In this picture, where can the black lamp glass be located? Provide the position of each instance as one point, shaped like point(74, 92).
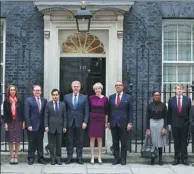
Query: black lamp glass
point(83, 19)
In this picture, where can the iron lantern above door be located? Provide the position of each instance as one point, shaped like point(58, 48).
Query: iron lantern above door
point(83, 18)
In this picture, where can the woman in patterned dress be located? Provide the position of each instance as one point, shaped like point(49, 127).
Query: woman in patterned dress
point(98, 120)
point(13, 119)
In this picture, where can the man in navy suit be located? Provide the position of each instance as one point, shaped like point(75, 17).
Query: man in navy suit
point(77, 118)
point(120, 118)
point(34, 116)
point(178, 117)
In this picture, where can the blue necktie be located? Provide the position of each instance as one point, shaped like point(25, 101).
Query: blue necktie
point(56, 107)
point(75, 102)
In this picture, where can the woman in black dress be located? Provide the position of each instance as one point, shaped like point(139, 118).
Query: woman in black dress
point(156, 124)
point(13, 119)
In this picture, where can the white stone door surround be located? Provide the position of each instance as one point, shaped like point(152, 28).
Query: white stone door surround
point(110, 25)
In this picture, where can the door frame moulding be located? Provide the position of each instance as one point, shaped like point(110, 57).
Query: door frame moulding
point(52, 54)
point(83, 56)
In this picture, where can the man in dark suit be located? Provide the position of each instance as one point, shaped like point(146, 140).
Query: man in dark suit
point(34, 115)
point(77, 118)
point(120, 118)
point(178, 117)
point(55, 125)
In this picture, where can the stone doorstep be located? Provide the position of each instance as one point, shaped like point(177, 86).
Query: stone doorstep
point(107, 158)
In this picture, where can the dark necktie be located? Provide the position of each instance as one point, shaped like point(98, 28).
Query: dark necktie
point(179, 105)
point(118, 100)
point(56, 107)
point(38, 103)
point(75, 101)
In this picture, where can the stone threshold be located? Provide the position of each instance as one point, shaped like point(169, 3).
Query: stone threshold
point(168, 158)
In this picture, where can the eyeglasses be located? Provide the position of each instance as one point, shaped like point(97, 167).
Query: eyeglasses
point(119, 85)
point(55, 94)
point(37, 90)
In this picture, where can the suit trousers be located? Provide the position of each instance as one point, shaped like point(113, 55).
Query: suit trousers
point(119, 134)
point(55, 142)
point(77, 134)
point(180, 136)
point(35, 142)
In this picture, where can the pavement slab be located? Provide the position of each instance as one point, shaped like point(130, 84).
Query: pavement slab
point(108, 169)
point(148, 169)
point(64, 169)
point(22, 168)
point(181, 169)
point(105, 168)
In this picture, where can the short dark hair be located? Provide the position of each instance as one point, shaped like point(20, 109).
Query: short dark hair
point(155, 92)
point(55, 90)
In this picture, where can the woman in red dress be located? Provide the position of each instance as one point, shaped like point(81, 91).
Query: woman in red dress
point(98, 120)
point(13, 119)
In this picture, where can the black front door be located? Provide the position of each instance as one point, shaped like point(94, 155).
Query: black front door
point(88, 71)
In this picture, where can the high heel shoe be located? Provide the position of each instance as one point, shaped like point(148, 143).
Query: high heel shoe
point(99, 161)
point(92, 161)
point(16, 159)
point(12, 160)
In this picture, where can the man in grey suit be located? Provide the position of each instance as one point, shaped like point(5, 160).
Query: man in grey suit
point(77, 118)
point(55, 125)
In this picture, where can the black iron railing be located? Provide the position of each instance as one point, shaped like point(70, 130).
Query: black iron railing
point(141, 98)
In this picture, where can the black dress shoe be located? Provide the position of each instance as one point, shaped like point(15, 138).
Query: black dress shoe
point(176, 162)
point(69, 161)
point(123, 163)
point(59, 162)
point(160, 162)
point(53, 162)
point(185, 162)
point(115, 162)
point(79, 161)
point(152, 161)
point(41, 161)
point(30, 162)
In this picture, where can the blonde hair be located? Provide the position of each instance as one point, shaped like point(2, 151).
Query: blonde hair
point(179, 85)
point(97, 85)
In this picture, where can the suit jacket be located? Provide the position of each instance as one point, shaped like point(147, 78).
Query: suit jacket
point(7, 111)
point(174, 118)
point(81, 114)
point(122, 115)
point(32, 115)
point(192, 120)
point(53, 120)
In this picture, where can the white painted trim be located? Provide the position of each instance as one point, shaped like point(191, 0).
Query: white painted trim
point(84, 55)
point(3, 63)
point(176, 63)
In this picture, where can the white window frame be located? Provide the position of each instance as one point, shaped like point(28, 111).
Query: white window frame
point(176, 63)
point(3, 63)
